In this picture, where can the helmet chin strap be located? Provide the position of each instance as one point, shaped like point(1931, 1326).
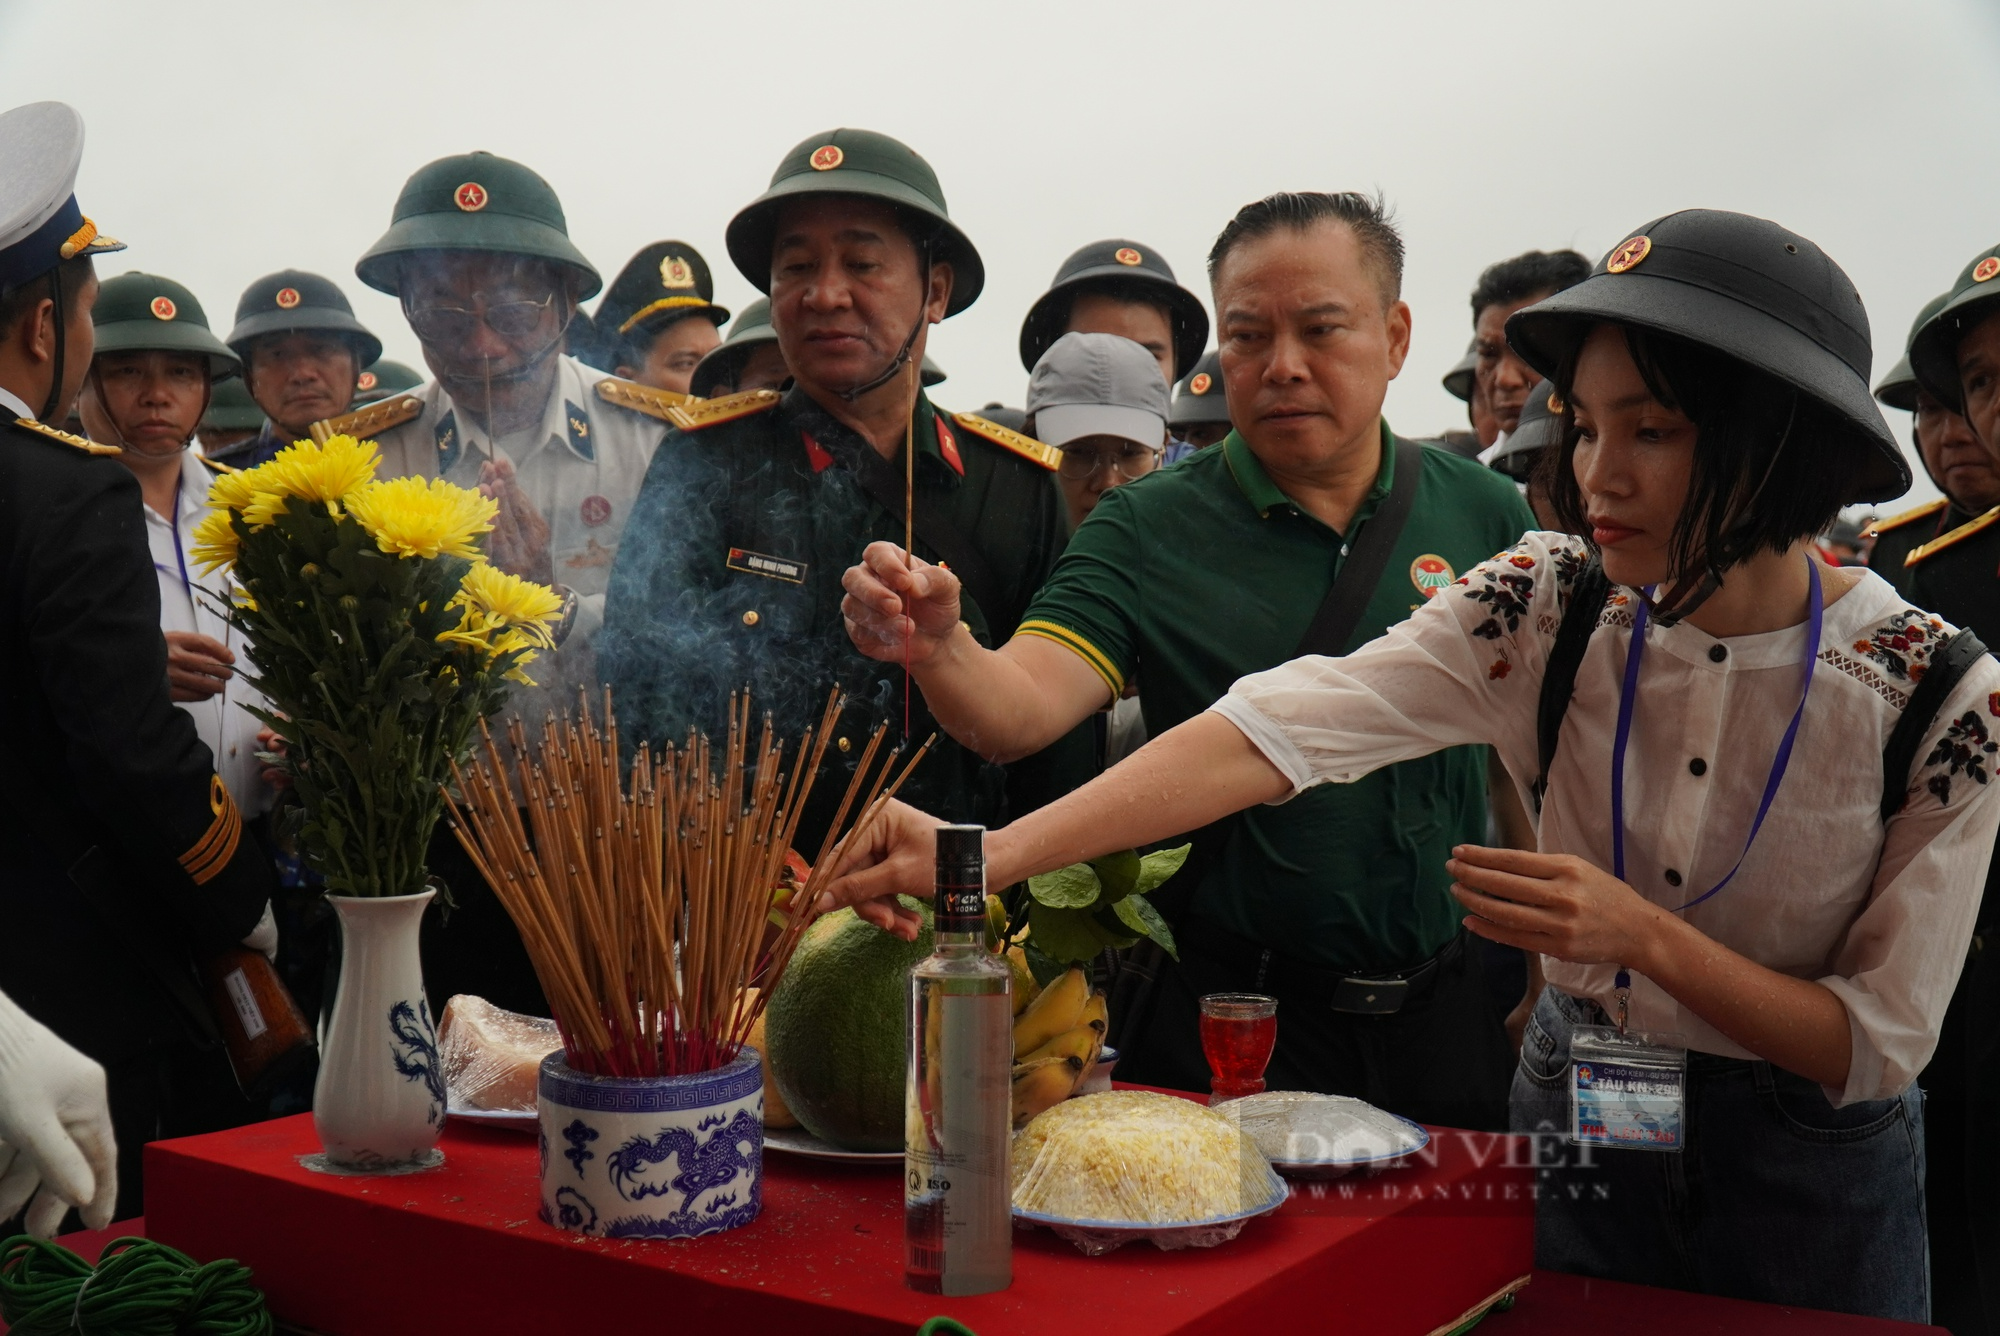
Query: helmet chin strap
point(1691, 591)
point(97, 387)
point(62, 341)
point(902, 357)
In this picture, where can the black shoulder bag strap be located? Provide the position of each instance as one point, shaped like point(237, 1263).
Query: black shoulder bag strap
point(1948, 668)
point(1579, 623)
point(1331, 628)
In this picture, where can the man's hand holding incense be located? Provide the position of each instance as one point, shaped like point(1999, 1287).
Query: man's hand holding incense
point(898, 857)
point(900, 608)
point(519, 543)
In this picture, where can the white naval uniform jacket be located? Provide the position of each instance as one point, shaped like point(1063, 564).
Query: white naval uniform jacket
point(582, 472)
point(1878, 913)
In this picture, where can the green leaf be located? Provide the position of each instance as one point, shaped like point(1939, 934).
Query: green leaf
point(1045, 967)
point(1065, 935)
point(1155, 868)
point(1120, 874)
point(1072, 887)
point(1110, 929)
point(1139, 915)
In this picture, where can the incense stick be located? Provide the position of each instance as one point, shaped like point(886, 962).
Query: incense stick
point(645, 899)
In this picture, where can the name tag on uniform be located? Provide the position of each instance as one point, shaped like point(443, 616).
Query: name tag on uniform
point(1624, 1091)
point(775, 568)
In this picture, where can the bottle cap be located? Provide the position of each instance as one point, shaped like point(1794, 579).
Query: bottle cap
point(961, 878)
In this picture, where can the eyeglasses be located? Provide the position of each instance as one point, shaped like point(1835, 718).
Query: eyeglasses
point(1134, 461)
point(454, 324)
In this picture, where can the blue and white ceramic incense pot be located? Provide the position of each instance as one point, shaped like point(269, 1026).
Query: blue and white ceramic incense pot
point(668, 1157)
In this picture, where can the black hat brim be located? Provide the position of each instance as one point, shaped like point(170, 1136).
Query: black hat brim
point(1543, 334)
point(169, 336)
point(1899, 388)
point(306, 319)
point(1934, 351)
point(494, 233)
point(1049, 315)
point(753, 231)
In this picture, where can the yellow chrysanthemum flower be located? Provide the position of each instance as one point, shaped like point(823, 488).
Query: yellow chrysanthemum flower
point(233, 491)
point(315, 472)
point(410, 517)
point(263, 509)
point(514, 601)
point(215, 541)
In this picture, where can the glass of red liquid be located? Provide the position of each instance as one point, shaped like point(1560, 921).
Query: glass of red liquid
point(1238, 1031)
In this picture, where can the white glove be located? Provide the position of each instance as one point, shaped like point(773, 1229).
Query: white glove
point(264, 937)
point(55, 1128)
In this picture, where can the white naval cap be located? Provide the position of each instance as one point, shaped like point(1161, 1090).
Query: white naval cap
point(41, 147)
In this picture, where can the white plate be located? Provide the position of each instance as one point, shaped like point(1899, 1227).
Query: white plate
point(1331, 1168)
point(514, 1120)
point(798, 1141)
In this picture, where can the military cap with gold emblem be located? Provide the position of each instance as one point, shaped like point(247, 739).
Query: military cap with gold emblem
point(1122, 269)
point(858, 162)
point(293, 301)
point(475, 202)
point(1199, 397)
point(1934, 345)
point(665, 282)
point(138, 312)
point(1753, 291)
point(41, 224)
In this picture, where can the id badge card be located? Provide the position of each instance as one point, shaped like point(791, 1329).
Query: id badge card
point(1625, 1091)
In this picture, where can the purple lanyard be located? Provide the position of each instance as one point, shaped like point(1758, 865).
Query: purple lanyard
point(1628, 696)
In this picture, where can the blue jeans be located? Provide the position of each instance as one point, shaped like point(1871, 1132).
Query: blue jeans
point(1778, 1196)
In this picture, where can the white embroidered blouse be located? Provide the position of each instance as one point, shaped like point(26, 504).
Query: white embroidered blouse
point(1881, 915)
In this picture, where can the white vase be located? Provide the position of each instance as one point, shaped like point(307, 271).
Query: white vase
point(663, 1157)
point(379, 1103)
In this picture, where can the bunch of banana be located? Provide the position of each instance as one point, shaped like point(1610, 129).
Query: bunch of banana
point(1057, 1038)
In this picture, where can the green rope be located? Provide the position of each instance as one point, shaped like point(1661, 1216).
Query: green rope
point(138, 1288)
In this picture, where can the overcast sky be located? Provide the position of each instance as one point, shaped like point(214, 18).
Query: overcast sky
point(227, 140)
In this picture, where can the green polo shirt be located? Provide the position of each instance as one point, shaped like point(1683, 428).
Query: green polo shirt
point(1192, 577)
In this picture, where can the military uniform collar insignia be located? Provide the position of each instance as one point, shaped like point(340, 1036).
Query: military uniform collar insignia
point(576, 424)
point(449, 446)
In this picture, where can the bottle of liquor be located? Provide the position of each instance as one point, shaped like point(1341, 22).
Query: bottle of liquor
point(958, 1112)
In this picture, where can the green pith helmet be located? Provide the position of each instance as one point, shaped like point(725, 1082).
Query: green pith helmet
point(230, 408)
point(293, 300)
point(382, 379)
point(856, 162)
point(476, 202)
point(752, 327)
point(1199, 398)
point(1934, 345)
point(1458, 381)
point(1126, 270)
point(144, 313)
point(1899, 388)
point(665, 282)
point(1539, 429)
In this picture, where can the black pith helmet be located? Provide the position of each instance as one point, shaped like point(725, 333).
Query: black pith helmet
point(1539, 429)
point(1749, 289)
point(1116, 264)
point(293, 300)
point(1199, 397)
point(1898, 389)
point(1934, 344)
point(867, 164)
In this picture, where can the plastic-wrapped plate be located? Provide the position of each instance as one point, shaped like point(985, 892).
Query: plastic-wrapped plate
point(1097, 1237)
point(513, 1120)
point(1305, 1135)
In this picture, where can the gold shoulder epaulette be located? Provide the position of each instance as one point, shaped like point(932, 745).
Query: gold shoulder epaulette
point(1960, 534)
point(1922, 512)
point(643, 398)
point(76, 442)
point(1027, 447)
point(708, 412)
point(365, 422)
point(216, 465)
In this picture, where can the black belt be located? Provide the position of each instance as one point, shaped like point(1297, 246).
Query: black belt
point(1302, 983)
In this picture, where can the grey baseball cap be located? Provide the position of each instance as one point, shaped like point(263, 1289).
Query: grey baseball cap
point(1097, 385)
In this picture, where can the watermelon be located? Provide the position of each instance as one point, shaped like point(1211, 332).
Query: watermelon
point(837, 1026)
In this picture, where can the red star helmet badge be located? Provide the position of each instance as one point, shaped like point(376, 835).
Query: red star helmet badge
point(1628, 254)
point(1200, 383)
point(470, 197)
point(367, 381)
point(1430, 574)
point(164, 308)
point(827, 157)
point(596, 510)
point(1126, 255)
point(288, 298)
point(1986, 268)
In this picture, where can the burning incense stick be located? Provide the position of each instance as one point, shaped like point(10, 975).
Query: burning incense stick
point(643, 904)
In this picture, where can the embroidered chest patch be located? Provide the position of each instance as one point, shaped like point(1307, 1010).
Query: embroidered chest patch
point(774, 568)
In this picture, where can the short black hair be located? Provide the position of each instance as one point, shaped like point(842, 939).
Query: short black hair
point(16, 302)
point(1531, 274)
point(1299, 210)
point(1138, 291)
point(1771, 467)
